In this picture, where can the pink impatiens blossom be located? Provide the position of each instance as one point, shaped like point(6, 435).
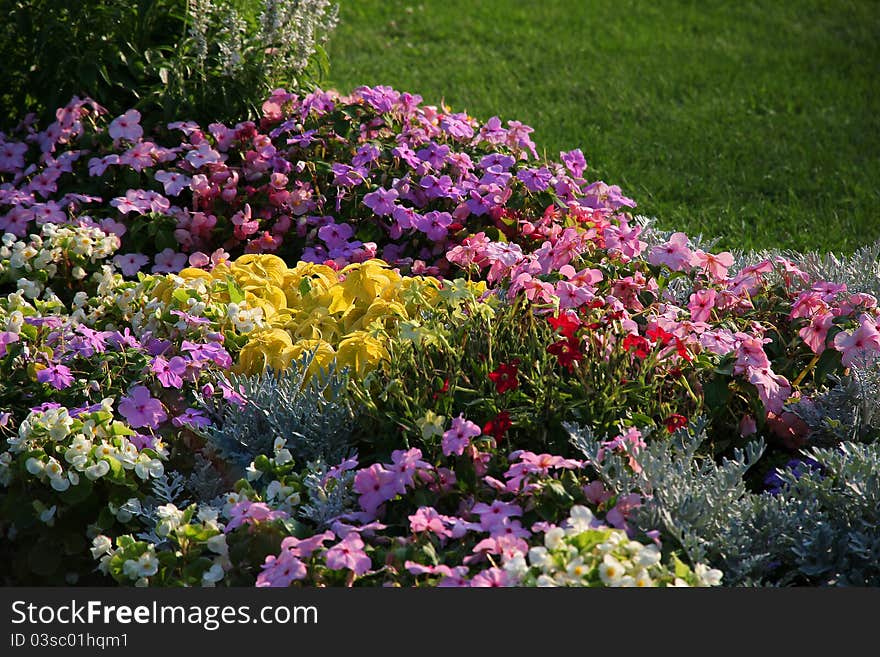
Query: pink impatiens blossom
point(816, 332)
point(701, 304)
point(127, 126)
point(376, 485)
point(714, 265)
point(174, 182)
point(169, 372)
point(773, 389)
point(140, 409)
point(458, 437)
point(426, 519)
point(281, 571)
point(675, 254)
point(862, 345)
point(168, 261)
point(247, 512)
point(130, 263)
point(349, 554)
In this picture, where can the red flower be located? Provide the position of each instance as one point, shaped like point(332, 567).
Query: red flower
point(566, 323)
point(504, 376)
point(675, 422)
point(682, 350)
point(637, 344)
point(567, 352)
point(498, 426)
point(442, 390)
point(658, 334)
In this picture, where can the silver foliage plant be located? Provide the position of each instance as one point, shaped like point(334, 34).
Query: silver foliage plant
point(822, 528)
point(313, 416)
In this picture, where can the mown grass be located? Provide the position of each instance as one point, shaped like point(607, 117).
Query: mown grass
point(756, 122)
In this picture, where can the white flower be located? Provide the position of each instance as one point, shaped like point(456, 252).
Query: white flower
point(648, 556)
point(100, 545)
point(97, 470)
point(545, 581)
point(580, 520)
point(516, 566)
point(707, 576)
point(251, 472)
point(60, 484)
point(643, 580)
point(611, 571)
point(577, 568)
point(48, 515)
point(553, 538)
point(283, 456)
point(539, 556)
point(34, 466)
point(217, 544)
point(144, 566)
point(213, 575)
point(170, 518)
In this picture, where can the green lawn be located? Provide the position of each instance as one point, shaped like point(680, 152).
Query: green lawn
point(753, 121)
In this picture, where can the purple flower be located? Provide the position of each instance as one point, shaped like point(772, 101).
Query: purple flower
point(335, 234)
point(140, 409)
point(192, 417)
point(574, 161)
point(7, 337)
point(381, 202)
point(169, 371)
point(366, 154)
point(56, 375)
point(346, 176)
point(535, 180)
point(434, 225)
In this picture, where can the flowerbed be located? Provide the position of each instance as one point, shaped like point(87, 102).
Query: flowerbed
point(373, 342)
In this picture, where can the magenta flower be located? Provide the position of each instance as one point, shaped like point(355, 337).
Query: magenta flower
point(127, 126)
point(56, 375)
point(714, 265)
point(247, 512)
point(304, 547)
point(816, 332)
point(349, 554)
point(458, 437)
point(140, 409)
point(191, 417)
point(492, 577)
point(773, 389)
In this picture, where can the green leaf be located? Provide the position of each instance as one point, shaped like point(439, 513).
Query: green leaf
point(829, 362)
point(236, 294)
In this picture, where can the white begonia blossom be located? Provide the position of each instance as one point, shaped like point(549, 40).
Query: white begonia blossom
point(611, 571)
point(553, 539)
point(100, 545)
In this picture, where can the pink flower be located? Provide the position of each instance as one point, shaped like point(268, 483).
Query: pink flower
point(773, 389)
point(127, 126)
point(203, 155)
point(492, 577)
point(862, 344)
point(675, 254)
point(376, 486)
point(747, 426)
point(140, 409)
point(750, 353)
point(251, 513)
point(304, 547)
point(714, 265)
point(168, 260)
point(130, 263)
point(701, 304)
point(426, 519)
point(816, 332)
point(458, 437)
point(349, 554)
point(280, 571)
point(174, 182)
